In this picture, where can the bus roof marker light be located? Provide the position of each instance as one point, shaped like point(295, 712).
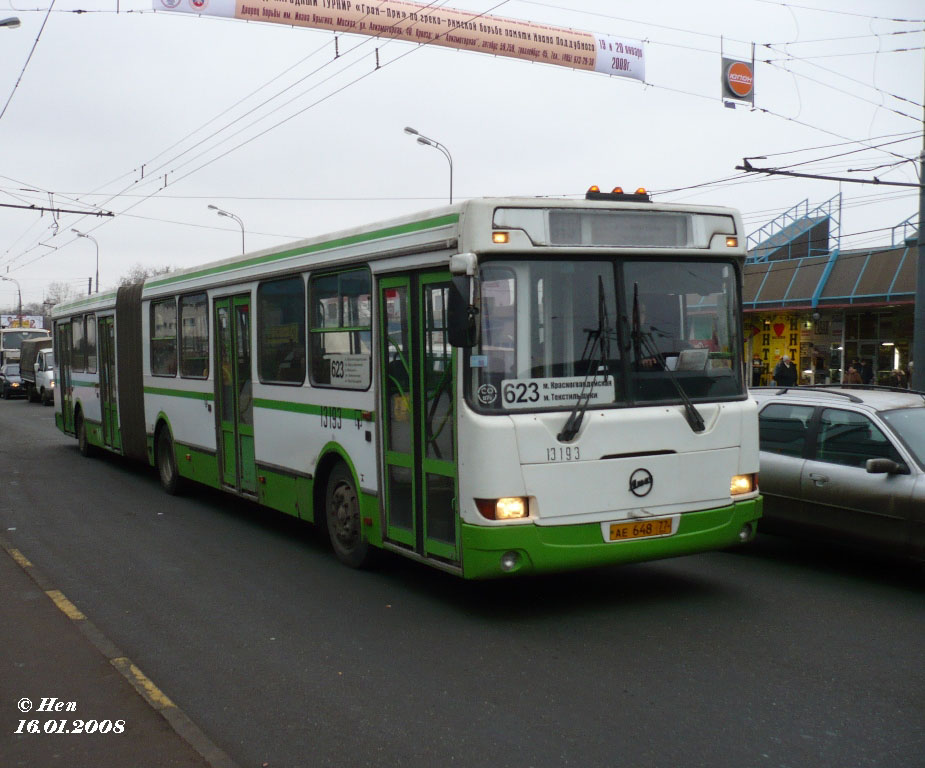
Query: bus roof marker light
point(500, 237)
point(618, 195)
point(732, 242)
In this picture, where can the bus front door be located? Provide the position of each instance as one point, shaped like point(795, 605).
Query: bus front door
point(418, 390)
point(233, 396)
point(109, 409)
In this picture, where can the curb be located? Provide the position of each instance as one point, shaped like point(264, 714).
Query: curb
point(185, 728)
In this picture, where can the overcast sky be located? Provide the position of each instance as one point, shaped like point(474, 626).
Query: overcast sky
point(112, 102)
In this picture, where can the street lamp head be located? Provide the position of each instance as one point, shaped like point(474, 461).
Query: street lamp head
point(220, 211)
point(410, 131)
point(12, 22)
point(230, 215)
point(425, 141)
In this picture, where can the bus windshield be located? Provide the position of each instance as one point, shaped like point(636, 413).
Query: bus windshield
point(608, 332)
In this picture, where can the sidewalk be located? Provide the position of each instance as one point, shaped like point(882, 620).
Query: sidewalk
point(53, 657)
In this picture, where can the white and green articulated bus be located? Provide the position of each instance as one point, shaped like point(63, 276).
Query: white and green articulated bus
point(500, 386)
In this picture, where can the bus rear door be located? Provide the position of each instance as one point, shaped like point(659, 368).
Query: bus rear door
point(109, 409)
point(65, 386)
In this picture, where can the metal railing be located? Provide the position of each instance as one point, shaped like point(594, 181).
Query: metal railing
point(793, 223)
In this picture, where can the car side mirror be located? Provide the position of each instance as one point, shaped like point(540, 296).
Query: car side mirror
point(886, 467)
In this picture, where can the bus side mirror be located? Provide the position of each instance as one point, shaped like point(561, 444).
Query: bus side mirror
point(462, 317)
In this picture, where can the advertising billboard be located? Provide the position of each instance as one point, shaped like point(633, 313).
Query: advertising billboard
point(448, 27)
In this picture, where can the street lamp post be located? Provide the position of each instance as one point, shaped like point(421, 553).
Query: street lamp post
point(230, 215)
point(12, 22)
point(18, 293)
point(436, 145)
point(90, 237)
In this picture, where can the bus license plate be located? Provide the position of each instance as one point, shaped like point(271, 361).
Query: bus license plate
point(640, 529)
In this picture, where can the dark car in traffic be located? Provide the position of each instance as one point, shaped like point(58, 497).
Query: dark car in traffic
point(844, 464)
point(10, 383)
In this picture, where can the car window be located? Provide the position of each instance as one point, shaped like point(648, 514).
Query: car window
point(909, 424)
point(850, 438)
point(783, 427)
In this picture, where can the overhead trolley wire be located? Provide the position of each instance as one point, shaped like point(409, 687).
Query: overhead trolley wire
point(28, 59)
point(784, 4)
point(113, 196)
point(296, 114)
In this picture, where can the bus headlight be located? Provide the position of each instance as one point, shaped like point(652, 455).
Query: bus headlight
point(743, 484)
point(509, 508)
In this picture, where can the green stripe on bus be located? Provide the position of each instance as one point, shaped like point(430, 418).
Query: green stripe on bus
point(179, 393)
point(311, 409)
point(272, 405)
point(403, 229)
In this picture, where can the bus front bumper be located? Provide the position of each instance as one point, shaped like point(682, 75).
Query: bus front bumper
point(495, 551)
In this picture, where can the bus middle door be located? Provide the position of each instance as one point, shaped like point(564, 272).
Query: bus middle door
point(234, 394)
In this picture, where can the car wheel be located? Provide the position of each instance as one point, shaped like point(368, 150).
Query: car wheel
point(167, 463)
point(342, 512)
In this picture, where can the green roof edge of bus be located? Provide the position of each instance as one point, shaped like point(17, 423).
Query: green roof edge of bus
point(77, 303)
point(245, 261)
point(250, 261)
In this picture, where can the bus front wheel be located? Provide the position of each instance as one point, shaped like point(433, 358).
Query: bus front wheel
point(167, 463)
point(342, 510)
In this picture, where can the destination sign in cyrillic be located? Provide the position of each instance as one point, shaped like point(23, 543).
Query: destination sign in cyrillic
point(520, 394)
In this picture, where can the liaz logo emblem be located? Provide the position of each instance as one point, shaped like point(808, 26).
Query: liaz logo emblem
point(641, 482)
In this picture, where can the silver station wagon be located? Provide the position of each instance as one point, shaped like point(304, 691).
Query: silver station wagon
point(844, 463)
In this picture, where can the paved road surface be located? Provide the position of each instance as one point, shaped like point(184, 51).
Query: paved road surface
point(779, 655)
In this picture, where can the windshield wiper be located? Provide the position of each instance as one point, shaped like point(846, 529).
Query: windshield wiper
point(643, 343)
point(596, 337)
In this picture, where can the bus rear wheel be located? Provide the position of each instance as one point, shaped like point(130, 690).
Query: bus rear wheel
point(342, 511)
point(167, 463)
point(83, 441)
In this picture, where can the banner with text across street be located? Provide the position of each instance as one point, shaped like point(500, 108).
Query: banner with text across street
point(422, 24)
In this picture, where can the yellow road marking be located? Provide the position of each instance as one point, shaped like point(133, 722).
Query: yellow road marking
point(67, 607)
point(20, 558)
point(154, 695)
